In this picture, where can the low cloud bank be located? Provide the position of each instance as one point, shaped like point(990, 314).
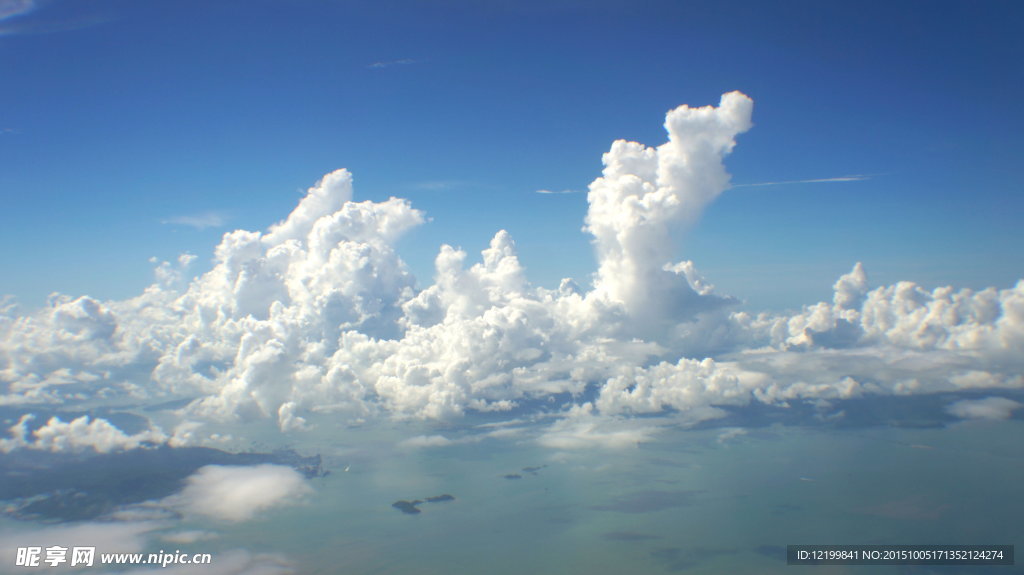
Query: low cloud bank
point(987, 408)
point(230, 493)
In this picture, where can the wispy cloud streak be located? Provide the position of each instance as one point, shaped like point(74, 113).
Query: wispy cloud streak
point(559, 192)
point(13, 8)
point(853, 178)
point(200, 221)
point(391, 63)
point(19, 17)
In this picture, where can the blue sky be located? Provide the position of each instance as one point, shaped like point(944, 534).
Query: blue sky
point(119, 119)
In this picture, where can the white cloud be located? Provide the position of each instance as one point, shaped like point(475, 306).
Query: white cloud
point(987, 408)
point(80, 434)
point(552, 192)
point(582, 428)
point(26, 17)
point(643, 195)
point(200, 221)
point(686, 385)
point(319, 314)
point(855, 178)
point(729, 433)
point(168, 275)
point(14, 8)
point(230, 493)
point(391, 63)
point(287, 419)
point(421, 441)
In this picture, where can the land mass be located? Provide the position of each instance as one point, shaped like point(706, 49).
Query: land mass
point(410, 507)
point(63, 487)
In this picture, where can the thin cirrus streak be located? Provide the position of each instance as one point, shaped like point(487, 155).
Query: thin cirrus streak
point(853, 178)
point(13, 8)
point(200, 221)
point(26, 17)
point(390, 63)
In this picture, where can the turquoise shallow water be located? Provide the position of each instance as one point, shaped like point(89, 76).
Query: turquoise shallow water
point(686, 502)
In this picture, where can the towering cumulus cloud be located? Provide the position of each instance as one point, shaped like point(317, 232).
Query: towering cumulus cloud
point(319, 315)
point(643, 195)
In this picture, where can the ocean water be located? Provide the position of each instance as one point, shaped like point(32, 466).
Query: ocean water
point(693, 501)
point(702, 501)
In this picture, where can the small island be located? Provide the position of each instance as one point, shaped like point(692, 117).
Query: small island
point(410, 507)
point(407, 506)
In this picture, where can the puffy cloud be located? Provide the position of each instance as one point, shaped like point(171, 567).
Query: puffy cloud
point(238, 493)
point(987, 408)
point(326, 197)
point(643, 195)
point(897, 339)
point(81, 433)
point(581, 428)
point(40, 349)
point(169, 275)
point(287, 419)
point(686, 386)
point(906, 316)
point(318, 314)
